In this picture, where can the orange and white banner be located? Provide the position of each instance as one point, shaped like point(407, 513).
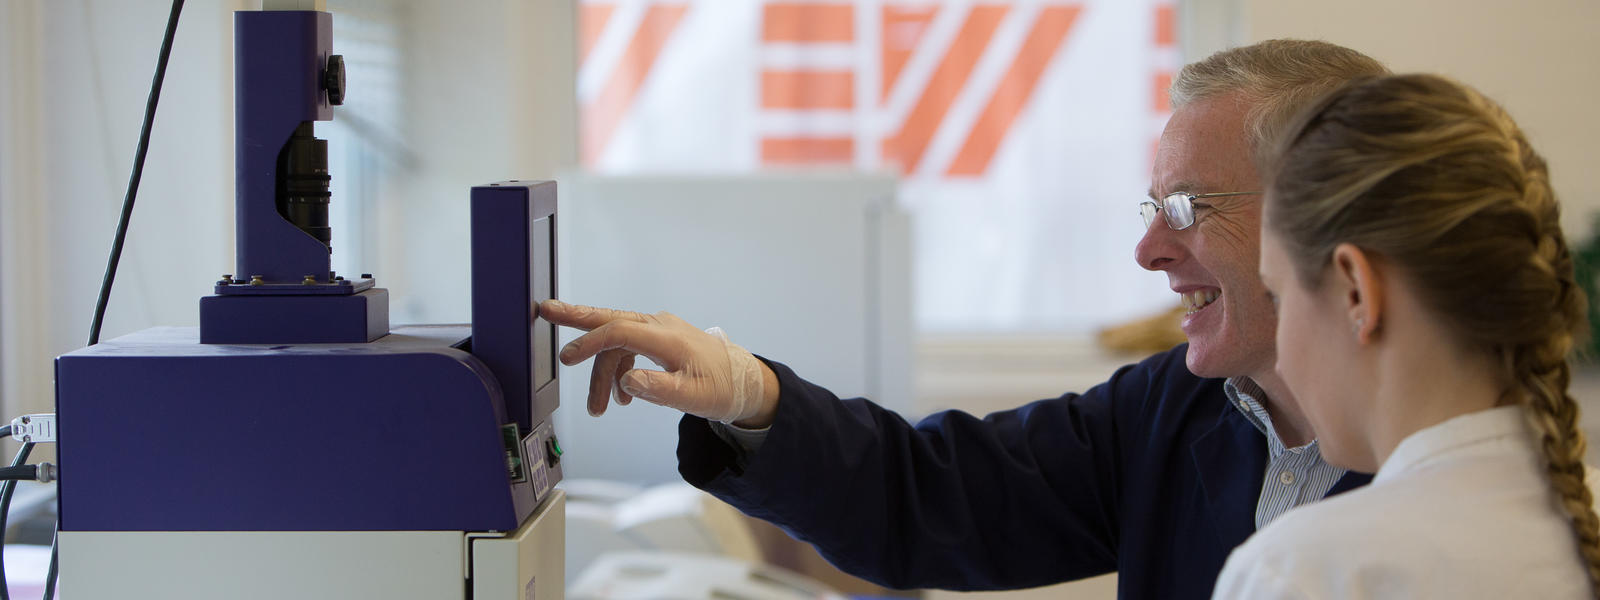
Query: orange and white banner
point(1022, 130)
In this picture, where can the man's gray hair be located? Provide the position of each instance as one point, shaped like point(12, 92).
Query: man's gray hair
point(1277, 77)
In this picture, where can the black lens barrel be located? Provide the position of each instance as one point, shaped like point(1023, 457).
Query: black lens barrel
point(303, 183)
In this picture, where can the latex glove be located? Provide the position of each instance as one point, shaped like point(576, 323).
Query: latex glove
point(706, 375)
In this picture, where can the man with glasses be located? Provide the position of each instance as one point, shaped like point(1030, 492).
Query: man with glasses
point(1157, 474)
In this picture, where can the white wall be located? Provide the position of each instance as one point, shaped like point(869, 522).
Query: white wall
point(489, 95)
point(20, 68)
point(1538, 58)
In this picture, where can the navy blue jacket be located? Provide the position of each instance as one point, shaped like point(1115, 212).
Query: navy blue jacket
point(1151, 474)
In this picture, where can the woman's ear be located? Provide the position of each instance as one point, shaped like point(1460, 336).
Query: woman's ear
point(1355, 279)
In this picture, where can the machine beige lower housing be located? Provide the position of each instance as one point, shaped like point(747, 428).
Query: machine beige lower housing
point(320, 565)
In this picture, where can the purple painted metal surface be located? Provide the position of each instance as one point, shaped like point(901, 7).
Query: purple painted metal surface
point(362, 317)
point(162, 433)
point(513, 269)
point(279, 57)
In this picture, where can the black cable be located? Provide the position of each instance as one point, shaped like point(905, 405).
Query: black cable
point(20, 473)
point(133, 179)
point(5, 508)
point(50, 575)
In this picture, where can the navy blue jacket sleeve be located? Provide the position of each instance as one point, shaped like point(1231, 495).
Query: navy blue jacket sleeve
point(1018, 498)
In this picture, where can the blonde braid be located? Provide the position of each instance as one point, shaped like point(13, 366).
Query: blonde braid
point(1555, 414)
point(1542, 370)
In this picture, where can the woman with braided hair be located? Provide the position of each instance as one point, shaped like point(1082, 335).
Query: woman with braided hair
point(1426, 307)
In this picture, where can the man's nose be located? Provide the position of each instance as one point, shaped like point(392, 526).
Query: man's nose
point(1159, 248)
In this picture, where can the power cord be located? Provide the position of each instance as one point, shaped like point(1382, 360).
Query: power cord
point(138, 171)
point(5, 508)
point(50, 574)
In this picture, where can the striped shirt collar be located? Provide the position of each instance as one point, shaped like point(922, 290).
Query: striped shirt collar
point(1294, 476)
point(1244, 395)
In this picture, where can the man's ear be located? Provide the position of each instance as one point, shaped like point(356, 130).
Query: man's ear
point(1354, 277)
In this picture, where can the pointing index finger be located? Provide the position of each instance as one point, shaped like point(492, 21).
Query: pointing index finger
point(583, 317)
point(662, 346)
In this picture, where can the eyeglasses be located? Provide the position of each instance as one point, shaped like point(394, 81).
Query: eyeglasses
point(1178, 207)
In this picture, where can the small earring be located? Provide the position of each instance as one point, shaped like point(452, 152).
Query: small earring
point(1360, 324)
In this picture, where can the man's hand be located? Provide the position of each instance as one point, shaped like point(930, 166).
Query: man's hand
point(706, 375)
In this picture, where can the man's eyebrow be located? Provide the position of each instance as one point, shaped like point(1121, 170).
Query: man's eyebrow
point(1181, 186)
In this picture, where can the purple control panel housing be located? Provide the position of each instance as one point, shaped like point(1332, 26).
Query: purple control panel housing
point(513, 270)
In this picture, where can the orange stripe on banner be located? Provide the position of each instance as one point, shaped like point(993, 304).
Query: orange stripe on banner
point(807, 89)
point(592, 19)
point(1163, 82)
point(793, 22)
point(807, 151)
point(601, 117)
point(1015, 88)
point(902, 31)
point(908, 145)
point(1166, 29)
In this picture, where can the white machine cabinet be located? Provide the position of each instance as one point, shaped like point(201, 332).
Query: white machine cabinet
point(320, 565)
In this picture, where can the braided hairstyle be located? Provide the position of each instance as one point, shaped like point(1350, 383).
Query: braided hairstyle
point(1440, 181)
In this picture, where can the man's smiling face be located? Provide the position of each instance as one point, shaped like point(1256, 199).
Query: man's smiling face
point(1212, 264)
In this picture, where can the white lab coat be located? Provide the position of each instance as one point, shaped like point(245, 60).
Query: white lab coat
point(1460, 510)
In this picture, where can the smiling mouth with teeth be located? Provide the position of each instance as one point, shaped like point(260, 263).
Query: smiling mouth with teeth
point(1194, 301)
